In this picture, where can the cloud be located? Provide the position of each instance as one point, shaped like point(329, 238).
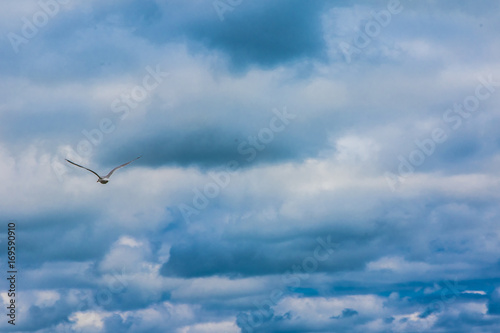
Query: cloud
point(284, 185)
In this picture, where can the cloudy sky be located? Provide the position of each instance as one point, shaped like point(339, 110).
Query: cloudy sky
point(307, 166)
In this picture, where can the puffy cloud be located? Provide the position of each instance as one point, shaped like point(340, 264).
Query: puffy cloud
point(292, 179)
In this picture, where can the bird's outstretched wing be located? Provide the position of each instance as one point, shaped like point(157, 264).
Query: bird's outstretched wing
point(95, 173)
point(118, 167)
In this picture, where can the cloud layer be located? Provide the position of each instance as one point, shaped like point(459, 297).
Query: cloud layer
point(306, 167)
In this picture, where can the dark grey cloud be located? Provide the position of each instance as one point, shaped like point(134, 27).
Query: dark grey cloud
point(48, 233)
point(265, 34)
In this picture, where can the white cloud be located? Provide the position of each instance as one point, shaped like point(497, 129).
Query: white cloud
point(226, 327)
point(398, 264)
point(474, 292)
point(46, 298)
point(322, 176)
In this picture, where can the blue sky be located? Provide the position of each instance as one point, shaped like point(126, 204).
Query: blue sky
point(307, 166)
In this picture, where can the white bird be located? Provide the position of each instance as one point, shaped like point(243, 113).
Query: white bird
point(105, 179)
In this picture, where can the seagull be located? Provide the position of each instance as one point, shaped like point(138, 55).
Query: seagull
point(105, 179)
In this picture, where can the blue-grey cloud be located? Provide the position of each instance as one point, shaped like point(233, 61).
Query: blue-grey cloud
point(349, 215)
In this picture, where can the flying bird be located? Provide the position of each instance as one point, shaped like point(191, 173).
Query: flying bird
point(105, 179)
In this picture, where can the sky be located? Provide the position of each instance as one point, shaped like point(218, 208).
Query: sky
point(307, 166)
